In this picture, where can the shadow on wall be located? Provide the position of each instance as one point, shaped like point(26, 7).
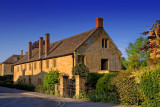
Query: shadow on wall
point(32, 79)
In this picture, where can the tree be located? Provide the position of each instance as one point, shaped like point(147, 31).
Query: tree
point(123, 63)
point(136, 57)
point(154, 43)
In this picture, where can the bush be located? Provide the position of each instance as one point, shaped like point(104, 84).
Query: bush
point(94, 97)
point(92, 79)
point(40, 89)
point(106, 90)
point(150, 85)
point(6, 78)
point(80, 69)
point(22, 86)
point(50, 79)
point(127, 88)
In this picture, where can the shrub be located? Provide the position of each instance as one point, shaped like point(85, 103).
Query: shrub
point(6, 78)
point(80, 69)
point(127, 87)
point(22, 86)
point(50, 79)
point(106, 90)
point(92, 79)
point(94, 97)
point(40, 89)
point(150, 85)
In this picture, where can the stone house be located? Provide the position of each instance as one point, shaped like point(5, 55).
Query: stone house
point(6, 67)
point(94, 48)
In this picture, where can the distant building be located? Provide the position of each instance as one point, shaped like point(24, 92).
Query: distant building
point(6, 67)
point(94, 48)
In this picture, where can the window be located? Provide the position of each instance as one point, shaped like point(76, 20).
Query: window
point(55, 63)
point(29, 66)
point(39, 81)
point(35, 65)
point(17, 68)
point(80, 59)
point(104, 64)
point(47, 62)
point(25, 67)
point(12, 68)
point(15, 59)
point(40, 65)
point(104, 43)
point(21, 68)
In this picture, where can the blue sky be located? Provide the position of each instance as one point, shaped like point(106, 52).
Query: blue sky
point(24, 20)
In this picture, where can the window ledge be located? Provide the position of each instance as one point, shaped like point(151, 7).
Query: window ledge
point(103, 71)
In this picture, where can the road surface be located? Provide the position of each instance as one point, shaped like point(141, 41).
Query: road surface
point(19, 98)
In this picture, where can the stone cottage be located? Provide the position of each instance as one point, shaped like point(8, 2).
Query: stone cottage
point(94, 48)
point(6, 67)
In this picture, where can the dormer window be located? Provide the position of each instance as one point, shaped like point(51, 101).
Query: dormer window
point(15, 59)
point(104, 43)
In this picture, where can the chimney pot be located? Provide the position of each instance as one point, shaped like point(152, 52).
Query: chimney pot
point(99, 22)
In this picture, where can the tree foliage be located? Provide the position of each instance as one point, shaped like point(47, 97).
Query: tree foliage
point(136, 57)
point(150, 85)
point(80, 69)
point(50, 79)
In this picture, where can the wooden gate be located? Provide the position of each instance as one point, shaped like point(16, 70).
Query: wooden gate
point(69, 87)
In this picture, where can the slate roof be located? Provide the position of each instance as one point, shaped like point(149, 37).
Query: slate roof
point(59, 48)
point(12, 59)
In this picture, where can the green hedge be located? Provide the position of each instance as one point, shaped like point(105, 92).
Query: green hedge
point(92, 79)
point(127, 88)
point(22, 86)
point(106, 90)
point(6, 78)
point(150, 86)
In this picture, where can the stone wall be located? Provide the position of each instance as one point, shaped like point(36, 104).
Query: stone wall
point(5, 69)
point(79, 85)
point(93, 52)
point(36, 70)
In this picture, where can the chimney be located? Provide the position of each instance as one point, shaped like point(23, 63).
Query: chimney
point(47, 44)
point(21, 51)
point(29, 50)
point(99, 22)
point(40, 47)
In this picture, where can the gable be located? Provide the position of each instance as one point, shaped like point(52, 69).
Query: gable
point(96, 40)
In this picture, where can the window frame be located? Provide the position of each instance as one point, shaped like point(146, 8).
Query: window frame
point(80, 59)
point(105, 43)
